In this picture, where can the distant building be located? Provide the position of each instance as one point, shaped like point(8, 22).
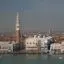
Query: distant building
point(18, 35)
point(19, 43)
point(62, 47)
point(55, 48)
point(6, 46)
point(31, 43)
point(46, 41)
point(38, 43)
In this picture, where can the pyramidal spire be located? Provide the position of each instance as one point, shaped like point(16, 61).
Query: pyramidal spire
point(17, 22)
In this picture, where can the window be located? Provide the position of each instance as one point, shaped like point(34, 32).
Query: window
point(33, 43)
point(36, 43)
point(30, 42)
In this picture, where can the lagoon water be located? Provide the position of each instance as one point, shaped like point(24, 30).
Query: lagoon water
point(31, 59)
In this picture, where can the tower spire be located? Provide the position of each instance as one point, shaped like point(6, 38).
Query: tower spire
point(17, 22)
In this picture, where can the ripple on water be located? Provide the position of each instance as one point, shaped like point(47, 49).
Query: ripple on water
point(31, 59)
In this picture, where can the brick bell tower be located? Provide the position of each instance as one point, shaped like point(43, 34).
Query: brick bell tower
point(18, 35)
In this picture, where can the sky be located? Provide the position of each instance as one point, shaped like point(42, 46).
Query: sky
point(38, 15)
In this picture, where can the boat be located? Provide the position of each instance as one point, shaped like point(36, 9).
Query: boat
point(60, 57)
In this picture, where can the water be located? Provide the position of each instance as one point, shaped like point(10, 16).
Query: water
point(31, 59)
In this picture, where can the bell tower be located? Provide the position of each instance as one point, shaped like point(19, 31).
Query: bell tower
point(18, 35)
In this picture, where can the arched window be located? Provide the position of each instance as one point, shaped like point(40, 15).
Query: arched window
point(33, 43)
point(36, 43)
point(30, 42)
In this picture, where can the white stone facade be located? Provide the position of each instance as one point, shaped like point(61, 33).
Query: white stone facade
point(62, 47)
point(44, 43)
point(31, 43)
point(6, 47)
point(57, 47)
point(37, 42)
point(41, 43)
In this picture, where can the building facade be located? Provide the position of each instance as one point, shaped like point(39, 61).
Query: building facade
point(55, 48)
point(31, 43)
point(46, 41)
point(62, 47)
point(38, 43)
point(6, 46)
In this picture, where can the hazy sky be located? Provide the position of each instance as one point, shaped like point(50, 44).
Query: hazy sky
point(37, 14)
